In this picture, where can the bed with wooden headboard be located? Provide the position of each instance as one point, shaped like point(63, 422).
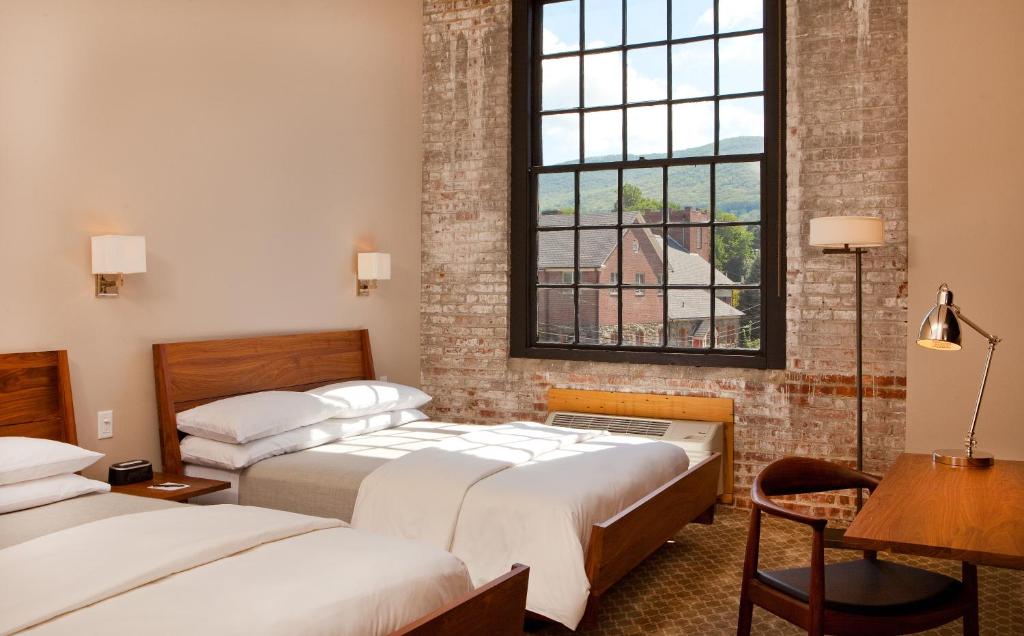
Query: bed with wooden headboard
point(35, 396)
point(35, 401)
point(193, 373)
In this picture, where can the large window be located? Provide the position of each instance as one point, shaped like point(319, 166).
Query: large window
point(647, 181)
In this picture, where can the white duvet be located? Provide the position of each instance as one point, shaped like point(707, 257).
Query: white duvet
point(224, 570)
point(517, 493)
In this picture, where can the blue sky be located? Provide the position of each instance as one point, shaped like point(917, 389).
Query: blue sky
point(647, 74)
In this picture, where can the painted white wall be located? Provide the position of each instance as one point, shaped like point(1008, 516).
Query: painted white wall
point(967, 217)
point(257, 145)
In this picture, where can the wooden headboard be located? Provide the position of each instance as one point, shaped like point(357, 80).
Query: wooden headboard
point(35, 396)
point(669, 407)
point(189, 374)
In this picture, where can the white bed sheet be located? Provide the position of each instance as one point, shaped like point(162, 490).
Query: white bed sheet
point(229, 496)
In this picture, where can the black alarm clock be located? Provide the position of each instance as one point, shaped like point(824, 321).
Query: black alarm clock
point(130, 472)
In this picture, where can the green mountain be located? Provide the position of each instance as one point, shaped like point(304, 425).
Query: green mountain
point(738, 185)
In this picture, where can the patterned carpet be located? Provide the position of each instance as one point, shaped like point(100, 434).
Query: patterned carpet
point(691, 586)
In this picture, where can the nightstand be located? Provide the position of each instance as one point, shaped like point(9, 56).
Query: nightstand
point(196, 486)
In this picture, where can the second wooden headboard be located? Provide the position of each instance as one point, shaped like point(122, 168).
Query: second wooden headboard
point(669, 407)
point(189, 374)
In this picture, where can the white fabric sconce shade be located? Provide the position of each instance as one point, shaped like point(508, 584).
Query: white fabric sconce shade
point(113, 256)
point(118, 254)
point(847, 231)
point(374, 266)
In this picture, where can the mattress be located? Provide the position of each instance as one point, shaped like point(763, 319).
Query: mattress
point(324, 481)
point(20, 526)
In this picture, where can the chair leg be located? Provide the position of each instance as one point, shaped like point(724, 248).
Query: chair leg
point(746, 616)
point(970, 581)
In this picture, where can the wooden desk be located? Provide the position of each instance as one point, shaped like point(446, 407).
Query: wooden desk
point(196, 486)
point(963, 514)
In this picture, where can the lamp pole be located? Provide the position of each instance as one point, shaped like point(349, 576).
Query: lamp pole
point(858, 253)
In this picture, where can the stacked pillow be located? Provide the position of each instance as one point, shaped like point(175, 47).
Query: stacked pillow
point(35, 472)
point(239, 431)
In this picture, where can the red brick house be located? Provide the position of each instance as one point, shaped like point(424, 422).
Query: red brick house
point(642, 264)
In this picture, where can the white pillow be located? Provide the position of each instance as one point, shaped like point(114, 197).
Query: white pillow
point(39, 492)
point(243, 418)
point(208, 452)
point(25, 458)
point(366, 397)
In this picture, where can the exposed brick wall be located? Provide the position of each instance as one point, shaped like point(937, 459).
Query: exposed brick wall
point(846, 153)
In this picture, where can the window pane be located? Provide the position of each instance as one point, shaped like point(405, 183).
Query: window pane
point(555, 315)
point(560, 138)
point(599, 262)
point(642, 194)
point(641, 258)
point(689, 194)
point(561, 83)
point(599, 197)
point(738, 191)
point(602, 79)
point(693, 129)
point(740, 69)
point(603, 23)
point(599, 316)
point(693, 70)
point(691, 18)
point(689, 318)
point(741, 126)
point(562, 26)
point(738, 319)
point(738, 254)
point(642, 324)
point(646, 21)
point(602, 136)
point(689, 251)
point(555, 199)
point(555, 251)
point(647, 130)
point(646, 74)
point(739, 15)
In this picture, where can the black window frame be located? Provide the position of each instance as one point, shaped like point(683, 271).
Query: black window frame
point(525, 104)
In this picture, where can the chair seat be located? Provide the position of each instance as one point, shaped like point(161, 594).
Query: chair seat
point(868, 586)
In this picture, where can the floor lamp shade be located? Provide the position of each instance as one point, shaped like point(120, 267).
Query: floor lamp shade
point(847, 231)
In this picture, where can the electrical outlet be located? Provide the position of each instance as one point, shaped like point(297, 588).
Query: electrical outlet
point(383, 378)
point(104, 424)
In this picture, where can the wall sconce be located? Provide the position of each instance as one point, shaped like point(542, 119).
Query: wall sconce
point(114, 256)
point(372, 267)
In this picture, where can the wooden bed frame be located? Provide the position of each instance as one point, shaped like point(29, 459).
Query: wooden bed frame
point(192, 373)
point(35, 401)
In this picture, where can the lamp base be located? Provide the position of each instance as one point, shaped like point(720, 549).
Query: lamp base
point(959, 457)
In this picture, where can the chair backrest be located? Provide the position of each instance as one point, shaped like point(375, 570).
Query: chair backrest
point(799, 475)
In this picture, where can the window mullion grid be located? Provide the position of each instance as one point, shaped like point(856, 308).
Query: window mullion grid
point(576, 259)
point(649, 102)
point(651, 44)
point(576, 275)
point(618, 242)
point(664, 184)
point(711, 256)
point(712, 297)
point(664, 248)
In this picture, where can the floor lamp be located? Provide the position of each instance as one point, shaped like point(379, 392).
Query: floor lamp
point(852, 235)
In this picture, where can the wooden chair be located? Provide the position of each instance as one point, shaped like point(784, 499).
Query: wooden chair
point(864, 596)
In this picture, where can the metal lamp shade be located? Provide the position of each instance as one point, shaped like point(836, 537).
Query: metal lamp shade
point(940, 329)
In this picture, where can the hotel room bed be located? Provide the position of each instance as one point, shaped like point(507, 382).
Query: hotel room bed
point(647, 503)
point(101, 561)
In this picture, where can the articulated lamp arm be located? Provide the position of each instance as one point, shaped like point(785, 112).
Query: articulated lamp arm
point(970, 442)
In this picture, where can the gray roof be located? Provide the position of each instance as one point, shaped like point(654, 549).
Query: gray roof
point(690, 304)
